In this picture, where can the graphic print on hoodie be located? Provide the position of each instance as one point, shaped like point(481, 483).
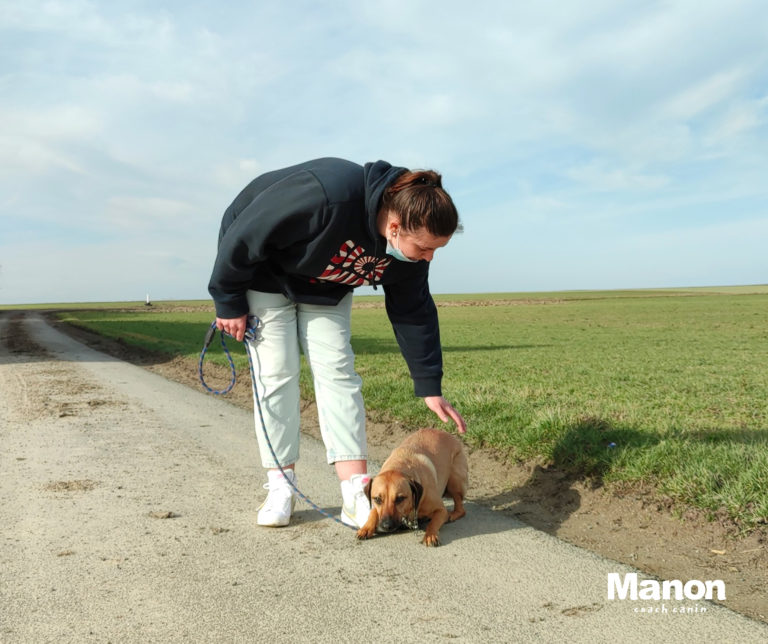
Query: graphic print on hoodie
point(353, 267)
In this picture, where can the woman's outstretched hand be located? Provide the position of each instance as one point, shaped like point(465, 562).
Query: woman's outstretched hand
point(445, 412)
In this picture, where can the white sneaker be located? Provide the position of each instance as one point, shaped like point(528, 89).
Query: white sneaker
point(355, 505)
point(278, 506)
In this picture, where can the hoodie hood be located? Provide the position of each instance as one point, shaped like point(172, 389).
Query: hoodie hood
point(377, 176)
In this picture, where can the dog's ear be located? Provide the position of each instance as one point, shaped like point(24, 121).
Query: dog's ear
point(367, 489)
point(418, 490)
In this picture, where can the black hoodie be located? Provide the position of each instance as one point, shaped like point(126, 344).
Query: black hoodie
point(310, 232)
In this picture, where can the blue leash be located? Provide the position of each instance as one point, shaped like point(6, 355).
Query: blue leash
point(251, 335)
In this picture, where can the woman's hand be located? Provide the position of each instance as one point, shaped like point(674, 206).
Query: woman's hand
point(445, 411)
point(234, 327)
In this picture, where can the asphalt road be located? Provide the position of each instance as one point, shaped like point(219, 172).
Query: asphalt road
point(127, 514)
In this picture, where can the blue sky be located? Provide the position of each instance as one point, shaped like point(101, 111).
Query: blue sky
point(590, 145)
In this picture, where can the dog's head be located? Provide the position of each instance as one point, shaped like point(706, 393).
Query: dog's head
point(395, 498)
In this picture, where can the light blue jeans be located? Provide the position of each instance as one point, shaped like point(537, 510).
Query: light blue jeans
point(323, 334)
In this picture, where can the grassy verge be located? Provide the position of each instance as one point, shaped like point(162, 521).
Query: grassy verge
point(667, 387)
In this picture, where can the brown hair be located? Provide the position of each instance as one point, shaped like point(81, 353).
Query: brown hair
point(418, 198)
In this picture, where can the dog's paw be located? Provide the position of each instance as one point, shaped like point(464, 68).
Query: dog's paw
point(365, 533)
point(431, 540)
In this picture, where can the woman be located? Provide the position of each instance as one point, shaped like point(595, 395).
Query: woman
point(292, 247)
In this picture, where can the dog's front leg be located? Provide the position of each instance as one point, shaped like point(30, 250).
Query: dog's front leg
point(436, 521)
point(369, 528)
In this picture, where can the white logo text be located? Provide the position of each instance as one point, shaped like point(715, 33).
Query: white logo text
point(649, 589)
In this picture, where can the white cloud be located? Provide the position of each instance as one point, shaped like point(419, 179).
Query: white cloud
point(36, 157)
point(146, 213)
point(236, 174)
point(36, 140)
point(599, 177)
point(703, 95)
point(739, 119)
point(89, 23)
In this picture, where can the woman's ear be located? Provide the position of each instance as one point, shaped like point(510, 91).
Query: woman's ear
point(393, 223)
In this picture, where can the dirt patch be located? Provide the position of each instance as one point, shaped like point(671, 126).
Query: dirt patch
point(163, 514)
point(84, 485)
point(15, 339)
point(632, 525)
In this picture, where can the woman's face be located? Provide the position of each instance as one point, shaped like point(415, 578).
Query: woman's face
point(417, 244)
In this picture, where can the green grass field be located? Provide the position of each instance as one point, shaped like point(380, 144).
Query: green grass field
point(666, 388)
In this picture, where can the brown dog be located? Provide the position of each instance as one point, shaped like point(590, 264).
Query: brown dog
point(426, 466)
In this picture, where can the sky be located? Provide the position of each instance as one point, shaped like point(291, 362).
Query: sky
point(590, 145)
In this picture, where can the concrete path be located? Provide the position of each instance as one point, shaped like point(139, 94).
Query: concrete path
point(127, 514)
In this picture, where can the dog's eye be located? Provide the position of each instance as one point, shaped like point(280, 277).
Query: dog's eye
point(377, 500)
point(399, 499)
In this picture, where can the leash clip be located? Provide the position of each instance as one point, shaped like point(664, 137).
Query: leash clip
point(209, 336)
point(252, 330)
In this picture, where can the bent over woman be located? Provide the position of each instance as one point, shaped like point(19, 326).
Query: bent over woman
point(292, 247)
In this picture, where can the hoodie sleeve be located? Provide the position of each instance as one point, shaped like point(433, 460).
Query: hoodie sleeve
point(285, 212)
point(413, 315)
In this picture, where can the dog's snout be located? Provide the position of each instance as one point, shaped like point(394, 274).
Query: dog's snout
point(388, 524)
